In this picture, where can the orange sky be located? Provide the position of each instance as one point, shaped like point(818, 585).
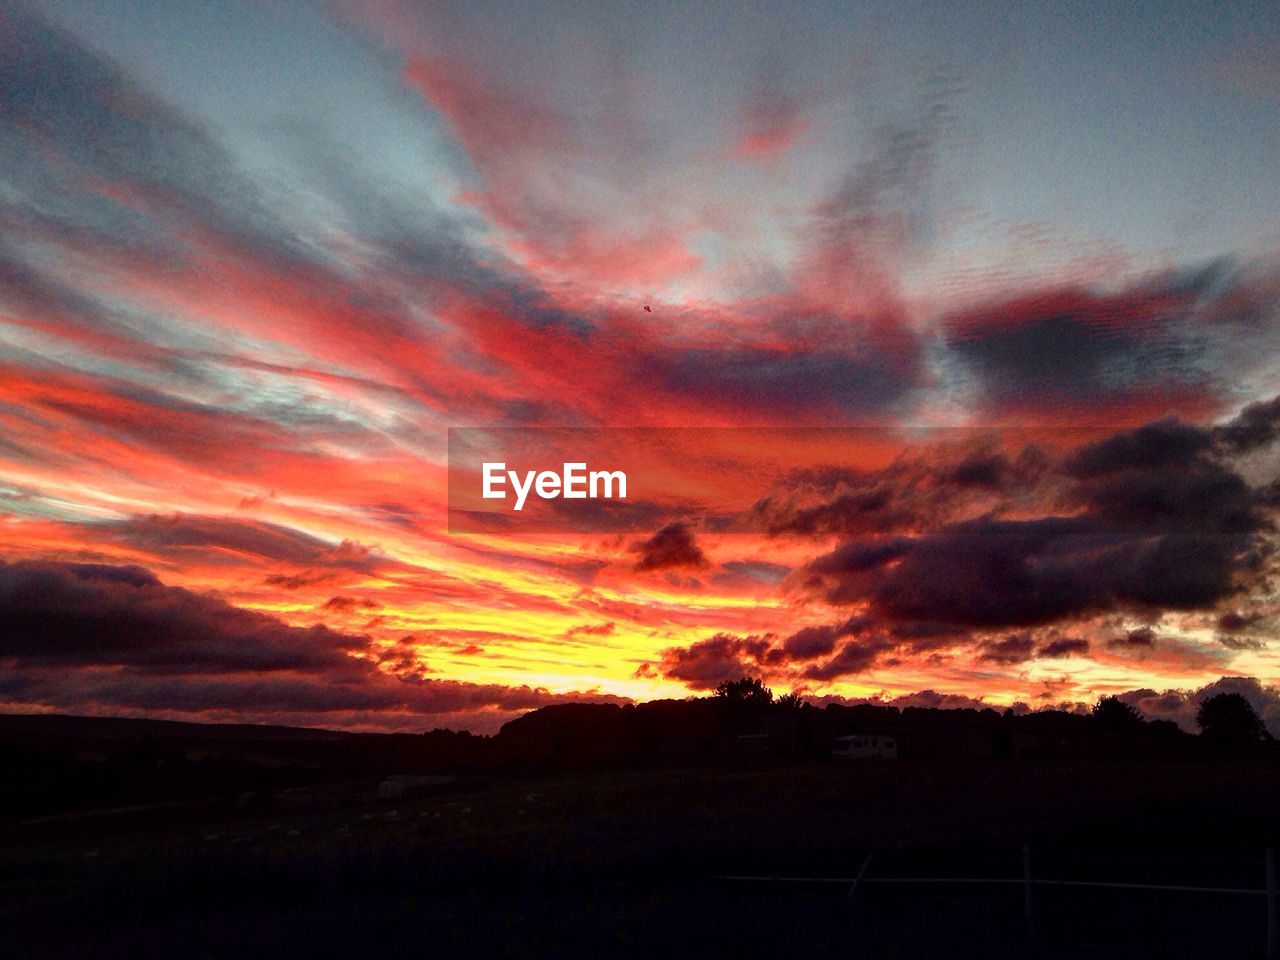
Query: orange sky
point(230, 354)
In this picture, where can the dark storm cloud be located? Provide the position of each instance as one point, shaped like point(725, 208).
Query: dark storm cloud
point(864, 555)
point(1166, 443)
point(981, 468)
point(1142, 637)
point(1160, 337)
point(1234, 620)
point(1153, 519)
point(1011, 573)
point(1159, 521)
point(817, 650)
point(672, 547)
point(855, 656)
point(1257, 425)
point(299, 697)
point(706, 664)
point(91, 636)
point(868, 510)
point(922, 489)
point(78, 615)
point(129, 575)
point(1058, 354)
point(809, 643)
point(1013, 649)
point(1064, 647)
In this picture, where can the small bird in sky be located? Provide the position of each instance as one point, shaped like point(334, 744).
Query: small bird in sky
point(648, 309)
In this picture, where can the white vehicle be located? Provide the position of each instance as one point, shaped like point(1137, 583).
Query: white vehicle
point(865, 746)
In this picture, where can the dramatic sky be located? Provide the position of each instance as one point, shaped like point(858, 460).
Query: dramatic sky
point(256, 258)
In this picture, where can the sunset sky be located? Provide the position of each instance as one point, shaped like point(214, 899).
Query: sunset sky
point(995, 289)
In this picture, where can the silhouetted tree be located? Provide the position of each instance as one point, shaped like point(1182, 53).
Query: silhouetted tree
point(746, 691)
point(1112, 713)
point(1229, 718)
point(790, 701)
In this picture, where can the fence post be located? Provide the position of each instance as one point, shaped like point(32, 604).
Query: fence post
point(1272, 947)
point(1026, 891)
point(862, 871)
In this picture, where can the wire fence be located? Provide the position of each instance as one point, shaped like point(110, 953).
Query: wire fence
point(1029, 883)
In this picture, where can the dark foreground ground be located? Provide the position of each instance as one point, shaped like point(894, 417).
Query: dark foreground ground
point(623, 864)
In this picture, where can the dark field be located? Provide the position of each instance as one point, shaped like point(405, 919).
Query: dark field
point(622, 864)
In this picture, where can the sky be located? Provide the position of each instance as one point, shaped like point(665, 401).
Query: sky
point(962, 324)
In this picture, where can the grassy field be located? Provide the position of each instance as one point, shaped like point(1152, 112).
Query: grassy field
point(620, 864)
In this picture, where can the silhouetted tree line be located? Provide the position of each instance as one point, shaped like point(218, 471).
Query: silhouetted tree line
point(743, 718)
point(61, 763)
point(744, 709)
